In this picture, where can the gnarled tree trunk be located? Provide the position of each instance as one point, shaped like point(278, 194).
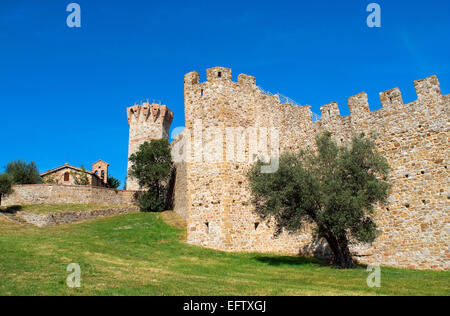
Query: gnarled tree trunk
point(341, 252)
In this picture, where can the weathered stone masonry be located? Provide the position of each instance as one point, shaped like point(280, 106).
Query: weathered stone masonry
point(413, 137)
point(44, 220)
point(76, 194)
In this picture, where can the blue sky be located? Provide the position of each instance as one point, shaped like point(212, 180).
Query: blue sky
point(63, 91)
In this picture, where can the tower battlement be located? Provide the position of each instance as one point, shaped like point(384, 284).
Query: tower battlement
point(147, 112)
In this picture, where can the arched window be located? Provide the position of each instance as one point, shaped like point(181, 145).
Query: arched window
point(66, 176)
point(103, 174)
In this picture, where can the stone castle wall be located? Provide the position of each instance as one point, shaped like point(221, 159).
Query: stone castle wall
point(180, 190)
point(73, 194)
point(413, 137)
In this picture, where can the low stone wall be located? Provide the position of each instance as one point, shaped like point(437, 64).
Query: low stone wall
point(73, 194)
point(44, 220)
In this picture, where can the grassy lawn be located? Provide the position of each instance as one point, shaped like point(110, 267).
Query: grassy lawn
point(58, 208)
point(138, 254)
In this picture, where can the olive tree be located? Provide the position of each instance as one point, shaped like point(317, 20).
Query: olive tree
point(334, 188)
point(22, 172)
point(151, 165)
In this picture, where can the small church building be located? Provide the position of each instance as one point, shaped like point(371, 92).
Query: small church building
point(71, 175)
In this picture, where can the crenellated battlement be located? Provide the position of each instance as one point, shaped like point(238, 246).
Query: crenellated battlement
point(329, 111)
point(146, 112)
point(426, 89)
point(217, 75)
point(358, 105)
point(191, 78)
point(247, 80)
point(391, 97)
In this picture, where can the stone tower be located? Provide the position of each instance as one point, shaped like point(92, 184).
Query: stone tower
point(147, 122)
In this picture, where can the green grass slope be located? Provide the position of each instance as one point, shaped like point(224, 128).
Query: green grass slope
point(138, 254)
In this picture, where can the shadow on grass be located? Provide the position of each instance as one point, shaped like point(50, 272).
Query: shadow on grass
point(286, 260)
point(299, 261)
point(11, 209)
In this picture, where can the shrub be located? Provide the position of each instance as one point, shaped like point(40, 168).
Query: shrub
point(151, 201)
point(5, 186)
point(21, 172)
point(113, 183)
